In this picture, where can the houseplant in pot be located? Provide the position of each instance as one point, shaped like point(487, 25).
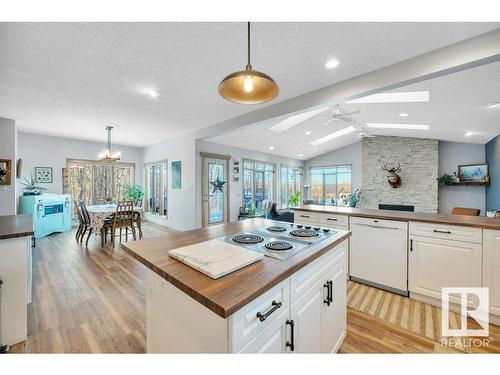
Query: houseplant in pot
point(31, 187)
point(294, 199)
point(134, 193)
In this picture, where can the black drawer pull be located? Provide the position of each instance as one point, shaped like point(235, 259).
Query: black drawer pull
point(291, 344)
point(442, 231)
point(276, 306)
point(331, 219)
point(305, 216)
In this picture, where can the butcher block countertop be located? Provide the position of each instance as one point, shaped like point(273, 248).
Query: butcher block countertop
point(12, 226)
point(228, 294)
point(470, 221)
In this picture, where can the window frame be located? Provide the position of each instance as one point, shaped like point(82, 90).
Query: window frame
point(330, 166)
point(300, 183)
point(253, 171)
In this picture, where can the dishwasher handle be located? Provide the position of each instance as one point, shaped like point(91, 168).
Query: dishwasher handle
point(377, 226)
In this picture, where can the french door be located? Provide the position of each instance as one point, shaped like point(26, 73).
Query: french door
point(215, 187)
point(156, 188)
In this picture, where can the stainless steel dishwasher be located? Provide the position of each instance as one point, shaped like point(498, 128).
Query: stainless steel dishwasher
point(379, 253)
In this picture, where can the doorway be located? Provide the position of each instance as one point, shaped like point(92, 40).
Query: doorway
point(156, 188)
point(215, 189)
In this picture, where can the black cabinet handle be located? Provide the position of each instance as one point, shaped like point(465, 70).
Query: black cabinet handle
point(411, 244)
point(305, 216)
point(291, 344)
point(276, 306)
point(329, 292)
point(331, 219)
point(442, 231)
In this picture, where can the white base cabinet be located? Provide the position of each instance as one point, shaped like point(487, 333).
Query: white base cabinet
point(491, 270)
point(305, 313)
point(442, 259)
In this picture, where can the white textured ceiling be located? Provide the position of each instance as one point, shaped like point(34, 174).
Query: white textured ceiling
point(73, 79)
point(456, 106)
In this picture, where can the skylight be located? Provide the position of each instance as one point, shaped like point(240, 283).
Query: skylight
point(394, 97)
point(294, 120)
point(331, 136)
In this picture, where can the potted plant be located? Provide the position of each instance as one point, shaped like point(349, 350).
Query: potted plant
point(294, 199)
point(31, 187)
point(134, 193)
point(446, 180)
point(353, 198)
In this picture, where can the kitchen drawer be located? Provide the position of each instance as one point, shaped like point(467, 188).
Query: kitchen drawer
point(327, 220)
point(303, 280)
point(244, 323)
point(448, 232)
point(378, 223)
point(306, 216)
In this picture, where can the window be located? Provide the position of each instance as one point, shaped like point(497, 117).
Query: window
point(156, 188)
point(291, 182)
point(94, 182)
point(330, 185)
point(258, 183)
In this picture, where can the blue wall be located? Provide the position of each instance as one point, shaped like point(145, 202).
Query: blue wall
point(493, 159)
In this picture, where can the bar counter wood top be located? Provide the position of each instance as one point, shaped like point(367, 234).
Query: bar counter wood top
point(12, 226)
point(228, 294)
point(470, 221)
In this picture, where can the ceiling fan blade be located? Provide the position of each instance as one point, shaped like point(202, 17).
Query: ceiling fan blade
point(351, 113)
point(346, 119)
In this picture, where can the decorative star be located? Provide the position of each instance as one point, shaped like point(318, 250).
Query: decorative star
point(217, 184)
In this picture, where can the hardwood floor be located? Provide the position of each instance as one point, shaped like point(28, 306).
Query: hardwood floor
point(93, 301)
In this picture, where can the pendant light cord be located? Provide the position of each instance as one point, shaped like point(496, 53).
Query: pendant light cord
point(248, 28)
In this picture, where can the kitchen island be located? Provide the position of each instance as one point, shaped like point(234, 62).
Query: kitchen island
point(273, 305)
point(15, 272)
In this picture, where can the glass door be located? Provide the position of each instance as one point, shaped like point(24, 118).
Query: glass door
point(156, 188)
point(215, 188)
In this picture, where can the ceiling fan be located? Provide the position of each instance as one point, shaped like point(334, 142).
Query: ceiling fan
point(338, 113)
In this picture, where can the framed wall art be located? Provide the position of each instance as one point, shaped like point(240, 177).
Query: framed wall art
point(5, 171)
point(473, 173)
point(176, 174)
point(43, 175)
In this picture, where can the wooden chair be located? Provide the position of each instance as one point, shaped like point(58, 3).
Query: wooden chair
point(81, 222)
point(123, 218)
point(87, 223)
point(465, 211)
point(137, 222)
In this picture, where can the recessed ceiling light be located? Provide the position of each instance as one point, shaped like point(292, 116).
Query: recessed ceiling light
point(152, 93)
point(330, 64)
point(378, 125)
point(331, 136)
point(308, 132)
point(394, 97)
point(403, 115)
point(301, 154)
point(470, 133)
point(295, 120)
point(271, 148)
point(493, 105)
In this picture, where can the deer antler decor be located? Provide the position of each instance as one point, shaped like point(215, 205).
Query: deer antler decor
point(393, 177)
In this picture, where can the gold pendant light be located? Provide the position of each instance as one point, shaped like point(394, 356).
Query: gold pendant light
point(248, 86)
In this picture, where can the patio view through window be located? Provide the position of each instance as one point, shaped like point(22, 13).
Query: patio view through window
point(291, 182)
point(258, 183)
point(330, 185)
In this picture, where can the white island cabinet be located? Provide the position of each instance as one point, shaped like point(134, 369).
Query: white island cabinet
point(305, 313)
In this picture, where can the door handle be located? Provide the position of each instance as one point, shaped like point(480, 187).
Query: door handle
point(291, 344)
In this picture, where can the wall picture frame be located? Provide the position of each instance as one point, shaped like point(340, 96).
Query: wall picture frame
point(473, 172)
point(176, 174)
point(43, 175)
point(5, 171)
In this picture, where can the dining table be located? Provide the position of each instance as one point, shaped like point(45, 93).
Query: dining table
point(99, 212)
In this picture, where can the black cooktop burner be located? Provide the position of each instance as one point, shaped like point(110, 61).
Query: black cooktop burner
point(278, 246)
point(247, 238)
point(276, 228)
point(304, 233)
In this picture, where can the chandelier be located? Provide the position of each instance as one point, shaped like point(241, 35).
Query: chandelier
point(108, 156)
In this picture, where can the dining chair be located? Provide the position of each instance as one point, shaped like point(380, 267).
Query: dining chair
point(138, 223)
point(87, 221)
point(465, 211)
point(81, 222)
point(123, 218)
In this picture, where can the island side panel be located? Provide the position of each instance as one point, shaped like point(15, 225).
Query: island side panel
point(176, 323)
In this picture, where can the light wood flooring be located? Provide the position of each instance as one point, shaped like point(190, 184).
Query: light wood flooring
point(93, 301)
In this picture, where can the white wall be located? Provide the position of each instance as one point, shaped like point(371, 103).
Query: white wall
point(350, 154)
point(237, 153)
point(452, 154)
point(47, 151)
point(8, 150)
point(181, 202)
